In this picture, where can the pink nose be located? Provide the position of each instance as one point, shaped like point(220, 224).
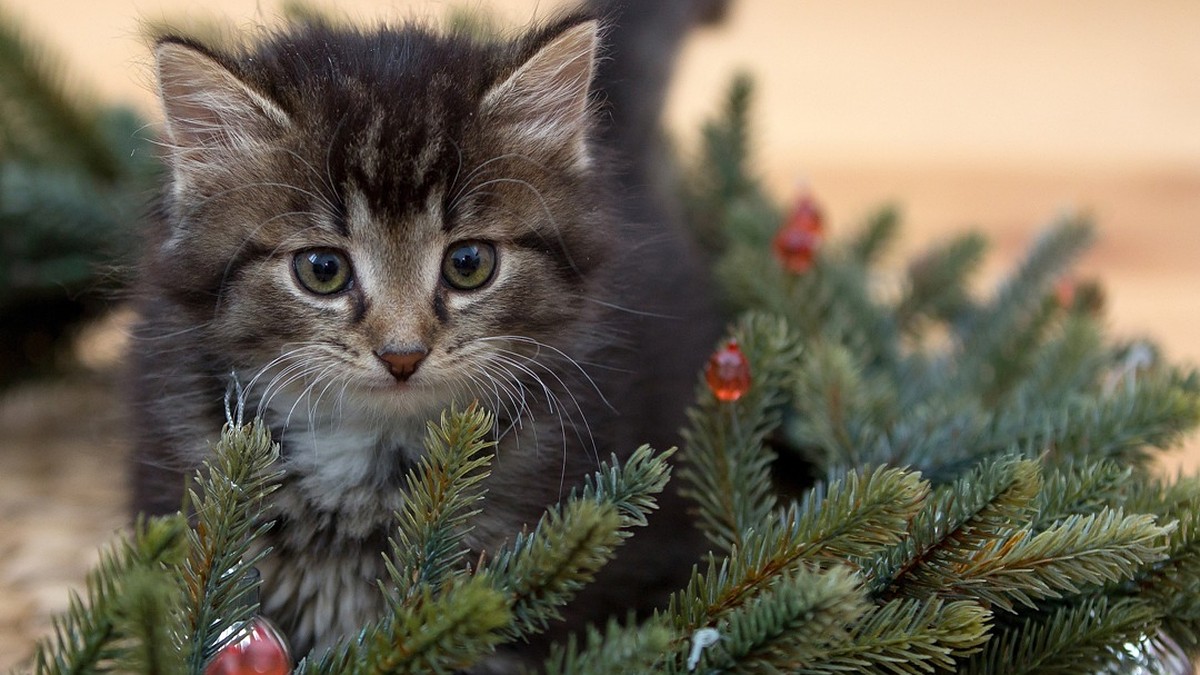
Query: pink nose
point(402, 364)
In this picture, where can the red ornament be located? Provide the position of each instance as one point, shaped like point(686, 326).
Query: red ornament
point(797, 241)
point(728, 373)
point(260, 651)
point(1064, 292)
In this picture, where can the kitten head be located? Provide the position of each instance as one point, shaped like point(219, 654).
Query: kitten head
point(392, 214)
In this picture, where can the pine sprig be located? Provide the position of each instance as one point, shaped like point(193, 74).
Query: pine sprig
point(442, 493)
point(993, 335)
point(149, 646)
point(631, 486)
point(1079, 552)
point(542, 570)
point(937, 282)
point(786, 628)
point(1079, 488)
point(93, 630)
point(986, 505)
point(853, 517)
point(228, 503)
point(907, 636)
point(728, 467)
point(619, 649)
point(41, 119)
point(1074, 640)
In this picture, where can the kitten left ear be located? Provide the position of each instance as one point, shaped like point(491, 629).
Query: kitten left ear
point(206, 106)
point(545, 101)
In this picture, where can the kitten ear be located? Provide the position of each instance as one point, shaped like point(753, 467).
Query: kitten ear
point(545, 101)
point(206, 106)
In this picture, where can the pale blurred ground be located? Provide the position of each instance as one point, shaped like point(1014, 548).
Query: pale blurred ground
point(993, 115)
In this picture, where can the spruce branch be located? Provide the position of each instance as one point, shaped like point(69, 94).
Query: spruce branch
point(619, 649)
point(1079, 488)
point(853, 518)
point(784, 629)
point(1080, 552)
point(149, 598)
point(442, 493)
point(840, 409)
point(986, 505)
point(907, 636)
point(1072, 640)
point(630, 487)
point(937, 282)
point(426, 632)
point(39, 118)
point(542, 570)
point(991, 337)
point(728, 465)
point(228, 505)
point(880, 231)
point(92, 631)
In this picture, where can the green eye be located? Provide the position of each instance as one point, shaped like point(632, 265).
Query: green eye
point(323, 271)
point(469, 264)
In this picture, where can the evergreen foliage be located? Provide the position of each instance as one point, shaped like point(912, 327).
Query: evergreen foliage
point(74, 174)
point(918, 480)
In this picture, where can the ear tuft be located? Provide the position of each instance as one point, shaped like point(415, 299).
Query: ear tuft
point(546, 99)
point(206, 106)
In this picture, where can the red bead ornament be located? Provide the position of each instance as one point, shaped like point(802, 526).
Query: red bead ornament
point(260, 651)
point(728, 373)
point(1064, 292)
point(797, 241)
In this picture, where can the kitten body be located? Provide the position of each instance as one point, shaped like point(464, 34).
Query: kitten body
point(365, 227)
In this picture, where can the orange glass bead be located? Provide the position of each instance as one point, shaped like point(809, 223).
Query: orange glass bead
point(796, 243)
point(260, 651)
point(728, 373)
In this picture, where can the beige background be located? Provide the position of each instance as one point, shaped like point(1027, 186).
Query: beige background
point(994, 115)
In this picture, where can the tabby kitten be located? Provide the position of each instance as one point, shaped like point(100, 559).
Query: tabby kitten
point(364, 227)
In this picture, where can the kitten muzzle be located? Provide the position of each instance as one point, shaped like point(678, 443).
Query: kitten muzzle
point(402, 363)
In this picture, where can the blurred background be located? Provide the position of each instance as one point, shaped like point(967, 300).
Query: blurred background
point(994, 116)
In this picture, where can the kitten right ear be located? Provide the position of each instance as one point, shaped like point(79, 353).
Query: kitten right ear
point(206, 106)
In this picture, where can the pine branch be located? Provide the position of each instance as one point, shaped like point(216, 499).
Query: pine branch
point(854, 517)
point(984, 506)
point(90, 633)
point(620, 649)
point(148, 599)
point(1079, 488)
point(1072, 640)
point(442, 494)
point(1082, 551)
point(937, 282)
point(728, 466)
point(784, 629)
point(542, 570)
point(993, 335)
point(840, 409)
point(907, 636)
point(630, 487)
point(39, 119)
point(228, 507)
point(425, 633)
point(880, 232)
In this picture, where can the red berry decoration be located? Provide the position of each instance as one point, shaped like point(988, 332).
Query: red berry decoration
point(260, 651)
point(728, 373)
point(797, 241)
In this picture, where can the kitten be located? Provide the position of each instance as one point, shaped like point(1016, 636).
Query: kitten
point(363, 227)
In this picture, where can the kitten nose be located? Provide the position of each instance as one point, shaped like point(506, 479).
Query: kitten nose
point(402, 363)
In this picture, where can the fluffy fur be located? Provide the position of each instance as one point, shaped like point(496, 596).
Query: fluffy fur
point(391, 147)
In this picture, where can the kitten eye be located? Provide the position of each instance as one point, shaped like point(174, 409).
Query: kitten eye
point(323, 271)
point(469, 264)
